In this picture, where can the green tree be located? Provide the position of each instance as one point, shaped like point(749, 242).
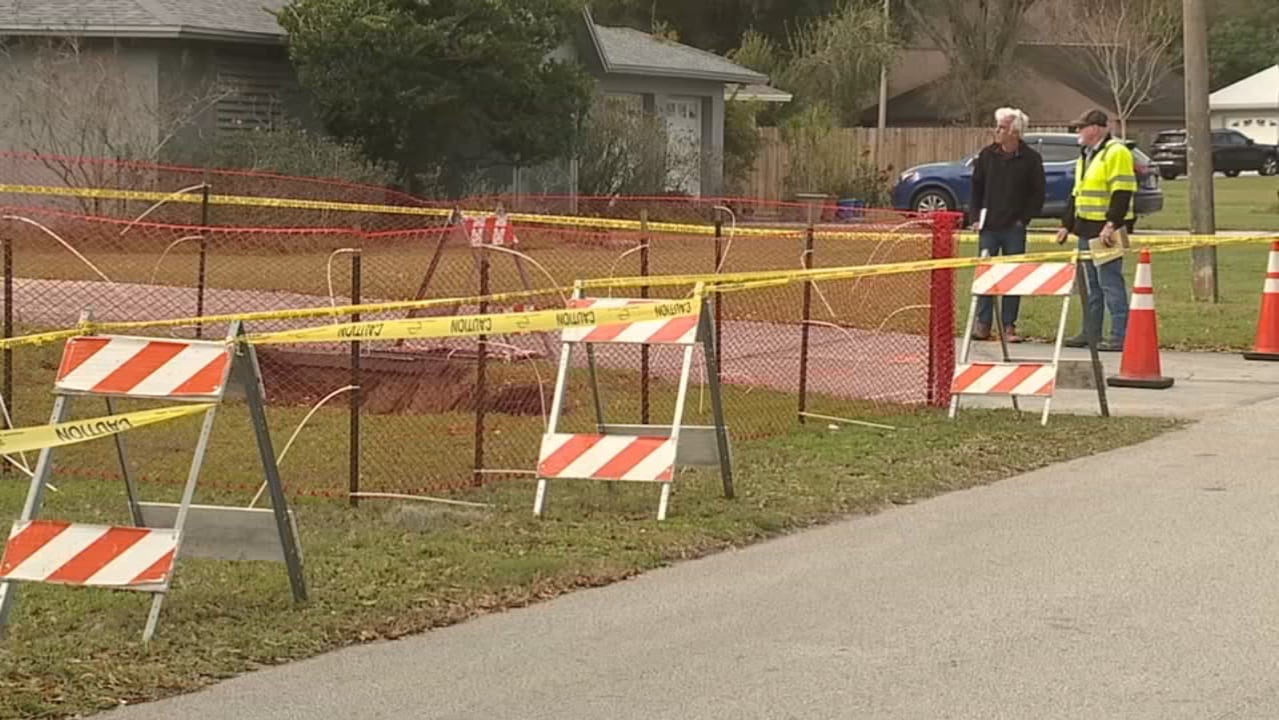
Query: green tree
point(438, 89)
point(832, 60)
point(715, 25)
point(978, 38)
point(1243, 43)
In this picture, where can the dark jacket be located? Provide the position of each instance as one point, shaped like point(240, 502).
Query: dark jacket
point(1009, 187)
point(1116, 214)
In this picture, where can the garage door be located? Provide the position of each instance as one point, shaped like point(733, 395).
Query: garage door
point(1261, 127)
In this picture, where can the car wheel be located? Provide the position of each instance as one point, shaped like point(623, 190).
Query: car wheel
point(1270, 166)
point(1168, 175)
point(1231, 173)
point(932, 201)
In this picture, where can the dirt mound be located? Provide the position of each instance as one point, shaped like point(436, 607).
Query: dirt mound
point(393, 384)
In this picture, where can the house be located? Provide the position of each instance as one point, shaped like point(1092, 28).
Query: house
point(1250, 106)
point(1054, 87)
point(156, 79)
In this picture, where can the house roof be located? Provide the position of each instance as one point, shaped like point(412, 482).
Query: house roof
point(243, 20)
point(1057, 61)
point(1260, 91)
point(624, 51)
point(1062, 62)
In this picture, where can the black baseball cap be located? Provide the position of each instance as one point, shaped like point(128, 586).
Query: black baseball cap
point(1092, 117)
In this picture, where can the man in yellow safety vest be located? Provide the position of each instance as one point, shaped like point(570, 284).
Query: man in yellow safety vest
point(1099, 207)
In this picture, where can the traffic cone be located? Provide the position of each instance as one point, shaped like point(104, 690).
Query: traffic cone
point(1266, 346)
point(1139, 367)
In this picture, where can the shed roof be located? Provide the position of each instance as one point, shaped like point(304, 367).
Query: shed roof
point(625, 51)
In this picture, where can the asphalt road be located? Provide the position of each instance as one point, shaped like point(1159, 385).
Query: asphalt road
point(1137, 584)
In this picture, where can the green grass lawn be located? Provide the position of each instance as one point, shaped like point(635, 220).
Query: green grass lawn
point(1248, 202)
point(1245, 203)
point(387, 570)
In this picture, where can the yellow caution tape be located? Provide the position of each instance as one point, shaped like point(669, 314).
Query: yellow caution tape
point(235, 200)
point(77, 431)
point(716, 282)
point(963, 237)
point(472, 325)
point(856, 271)
point(532, 219)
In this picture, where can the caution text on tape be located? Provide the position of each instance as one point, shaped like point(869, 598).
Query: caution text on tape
point(77, 431)
point(715, 282)
point(474, 325)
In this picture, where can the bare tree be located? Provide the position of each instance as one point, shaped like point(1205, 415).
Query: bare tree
point(978, 38)
point(66, 100)
point(1130, 46)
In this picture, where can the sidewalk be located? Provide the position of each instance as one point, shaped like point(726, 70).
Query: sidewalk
point(1131, 585)
point(1206, 384)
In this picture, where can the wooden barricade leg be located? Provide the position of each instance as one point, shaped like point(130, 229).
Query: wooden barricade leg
point(717, 404)
point(249, 374)
point(965, 348)
point(1098, 372)
point(35, 499)
point(131, 488)
point(557, 407)
point(184, 507)
point(1061, 336)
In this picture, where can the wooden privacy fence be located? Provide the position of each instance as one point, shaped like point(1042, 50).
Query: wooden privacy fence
point(902, 148)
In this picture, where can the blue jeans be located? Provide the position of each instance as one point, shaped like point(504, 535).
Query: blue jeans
point(1113, 297)
point(1004, 241)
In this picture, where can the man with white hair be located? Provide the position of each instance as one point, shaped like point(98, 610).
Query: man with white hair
point(1007, 193)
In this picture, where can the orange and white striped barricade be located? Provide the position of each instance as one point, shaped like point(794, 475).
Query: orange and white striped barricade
point(482, 233)
point(492, 229)
point(1013, 377)
point(142, 558)
point(636, 453)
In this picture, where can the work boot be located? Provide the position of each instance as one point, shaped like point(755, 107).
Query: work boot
point(981, 331)
point(1078, 341)
point(1010, 334)
point(1111, 345)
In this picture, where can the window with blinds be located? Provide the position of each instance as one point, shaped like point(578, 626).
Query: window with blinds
point(252, 88)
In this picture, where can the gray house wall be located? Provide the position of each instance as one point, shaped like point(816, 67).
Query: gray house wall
point(655, 91)
point(100, 99)
point(154, 100)
point(171, 99)
point(224, 88)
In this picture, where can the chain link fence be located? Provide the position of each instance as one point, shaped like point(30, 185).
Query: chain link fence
point(429, 417)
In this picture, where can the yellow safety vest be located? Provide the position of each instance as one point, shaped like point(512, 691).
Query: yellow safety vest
point(1110, 171)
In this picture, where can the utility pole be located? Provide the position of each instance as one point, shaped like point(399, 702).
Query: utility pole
point(883, 98)
point(1199, 148)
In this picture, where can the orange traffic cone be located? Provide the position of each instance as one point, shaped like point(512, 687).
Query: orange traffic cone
point(1266, 346)
point(1140, 367)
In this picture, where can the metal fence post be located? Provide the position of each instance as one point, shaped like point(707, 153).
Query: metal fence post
point(204, 255)
point(644, 358)
point(941, 313)
point(8, 329)
point(356, 381)
point(481, 375)
point(719, 302)
point(804, 323)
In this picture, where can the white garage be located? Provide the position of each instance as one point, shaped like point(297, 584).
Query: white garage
point(1250, 106)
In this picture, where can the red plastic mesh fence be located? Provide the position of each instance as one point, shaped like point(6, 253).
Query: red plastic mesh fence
point(445, 414)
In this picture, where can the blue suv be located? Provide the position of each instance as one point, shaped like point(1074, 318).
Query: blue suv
point(946, 186)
